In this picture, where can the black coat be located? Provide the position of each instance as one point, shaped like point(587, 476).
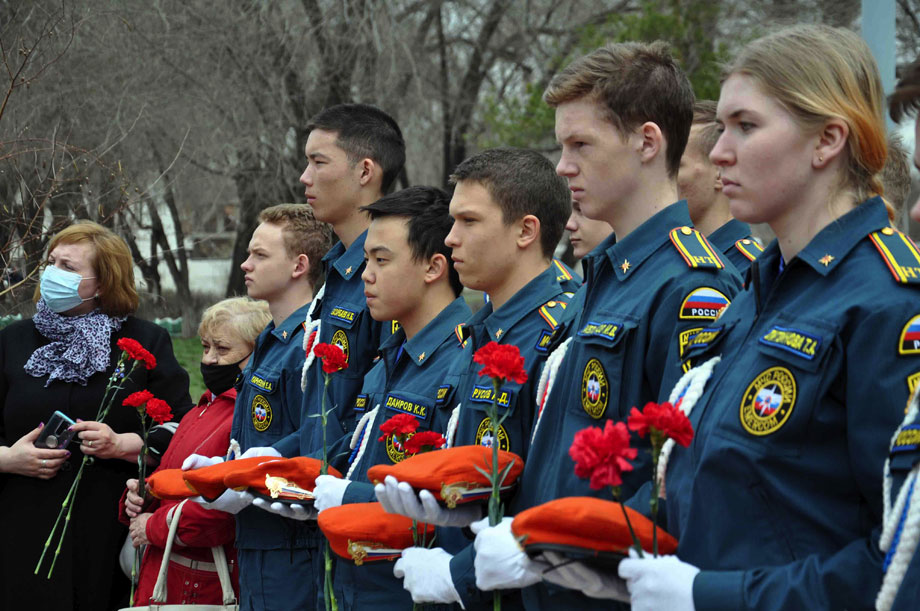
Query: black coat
point(86, 575)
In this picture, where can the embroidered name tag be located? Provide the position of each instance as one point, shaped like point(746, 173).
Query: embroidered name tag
point(797, 342)
point(908, 438)
point(262, 383)
point(543, 342)
point(605, 330)
point(704, 337)
point(406, 406)
point(343, 314)
point(483, 394)
point(444, 392)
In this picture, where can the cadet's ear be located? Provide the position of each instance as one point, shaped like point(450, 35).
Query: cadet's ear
point(649, 141)
point(369, 172)
point(437, 268)
point(832, 140)
point(528, 231)
point(301, 267)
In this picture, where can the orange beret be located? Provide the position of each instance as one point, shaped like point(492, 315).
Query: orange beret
point(169, 485)
point(364, 532)
point(586, 525)
point(209, 481)
point(281, 479)
point(451, 474)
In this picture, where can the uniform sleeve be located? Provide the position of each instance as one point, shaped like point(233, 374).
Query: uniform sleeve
point(463, 574)
point(289, 445)
point(874, 391)
point(671, 327)
point(359, 492)
point(198, 527)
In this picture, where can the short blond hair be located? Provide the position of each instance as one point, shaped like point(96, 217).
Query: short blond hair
point(246, 317)
point(817, 73)
point(302, 233)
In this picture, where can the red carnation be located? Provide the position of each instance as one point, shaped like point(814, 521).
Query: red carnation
point(423, 441)
point(602, 455)
point(503, 361)
point(332, 356)
point(665, 420)
point(137, 352)
point(158, 410)
point(137, 399)
point(400, 424)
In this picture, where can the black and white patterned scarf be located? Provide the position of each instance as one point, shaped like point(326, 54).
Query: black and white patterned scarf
point(80, 345)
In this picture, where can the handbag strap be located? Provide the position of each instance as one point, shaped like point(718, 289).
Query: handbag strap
point(220, 561)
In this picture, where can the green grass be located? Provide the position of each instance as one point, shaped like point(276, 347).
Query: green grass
point(188, 353)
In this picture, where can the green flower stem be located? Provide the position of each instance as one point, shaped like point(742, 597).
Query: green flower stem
point(495, 498)
point(69, 502)
point(108, 396)
point(64, 505)
point(632, 533)
point(657, 443)
point(328, 595)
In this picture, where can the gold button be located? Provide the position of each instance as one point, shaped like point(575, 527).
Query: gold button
point(745, 241)
point(551, 304)
point(888, 231)
point(686, 230)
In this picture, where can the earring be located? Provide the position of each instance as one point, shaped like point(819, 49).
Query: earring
point(820, 158)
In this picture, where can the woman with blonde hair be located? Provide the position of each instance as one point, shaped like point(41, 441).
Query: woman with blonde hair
point(61, 360)
point(228, 332)
point(777, 501)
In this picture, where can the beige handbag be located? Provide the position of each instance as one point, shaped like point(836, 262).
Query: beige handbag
point(159, 589)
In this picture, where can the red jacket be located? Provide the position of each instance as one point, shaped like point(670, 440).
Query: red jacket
point(204, 430)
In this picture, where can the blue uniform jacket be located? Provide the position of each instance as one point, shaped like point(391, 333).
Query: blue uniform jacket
point(346, 323)
point(778, 498)
point(566, 277)
point(407, 379)
point(268, 408)
point(734, 240)
point(904, 457)
point(527, 320)
point(642, 300)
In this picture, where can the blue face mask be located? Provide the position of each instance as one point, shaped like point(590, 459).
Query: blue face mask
point(61, 289)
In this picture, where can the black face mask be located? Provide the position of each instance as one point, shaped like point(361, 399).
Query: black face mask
point(220, 378)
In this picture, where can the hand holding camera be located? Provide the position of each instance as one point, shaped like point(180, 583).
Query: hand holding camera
point(24, 458)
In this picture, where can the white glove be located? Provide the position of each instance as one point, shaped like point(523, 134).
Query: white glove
point(500, 562)
point(230, 501)
point(197, 461)
point(576, 575)
point(398, 497)
point(261, 451)
point(329, 491)
point(293, 511)
point(426, 575)
point(659, 583)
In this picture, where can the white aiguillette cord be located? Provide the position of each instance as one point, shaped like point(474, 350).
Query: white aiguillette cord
point(310, 326)
point(900, 521)
point(688, 390)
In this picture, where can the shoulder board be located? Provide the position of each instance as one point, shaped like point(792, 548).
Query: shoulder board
point(899, 253)
point(462, 332)
point(749, 248)
point(562, 271)
point(552, 310)
point(695, 249)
